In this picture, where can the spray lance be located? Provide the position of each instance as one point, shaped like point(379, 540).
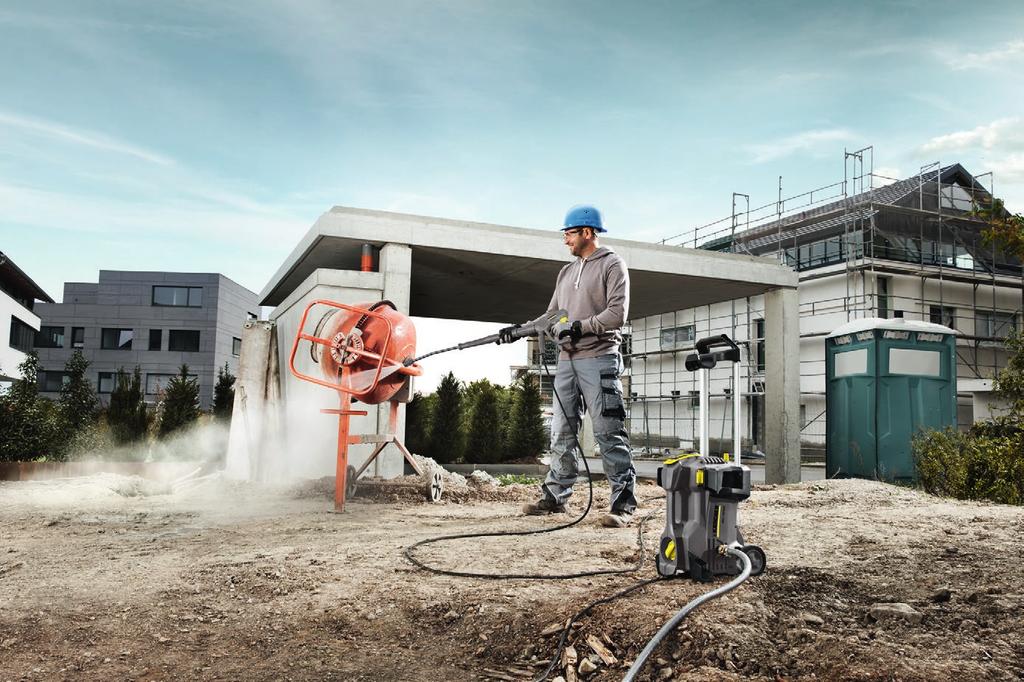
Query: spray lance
point(556, 322)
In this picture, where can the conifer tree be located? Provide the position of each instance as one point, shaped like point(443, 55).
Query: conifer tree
point(484, 442)
point(224, 393)
point(446, 435)
point(127, 411)
point(526, 428)
point(78, 401)
point(418, 416)
point(180, 404)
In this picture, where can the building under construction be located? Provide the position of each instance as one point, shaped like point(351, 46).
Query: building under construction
point(867, 246)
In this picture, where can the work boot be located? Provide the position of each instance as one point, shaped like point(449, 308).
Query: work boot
point(545, 505)
point(617, 519)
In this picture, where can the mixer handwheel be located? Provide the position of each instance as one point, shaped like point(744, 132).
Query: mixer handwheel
point(350, 481)
point(435, 485)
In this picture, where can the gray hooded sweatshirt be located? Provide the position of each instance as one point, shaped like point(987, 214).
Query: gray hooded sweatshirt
point(595, 291)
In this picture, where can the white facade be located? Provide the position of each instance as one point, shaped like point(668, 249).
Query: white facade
point(12, 311)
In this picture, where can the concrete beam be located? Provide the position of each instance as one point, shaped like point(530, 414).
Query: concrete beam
point(497, 273)
point(782, 386)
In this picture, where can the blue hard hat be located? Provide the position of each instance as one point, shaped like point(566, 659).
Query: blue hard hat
point(583, 215)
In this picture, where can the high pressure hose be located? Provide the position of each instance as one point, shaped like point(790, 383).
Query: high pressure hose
point(674, 621)
point(409, 551)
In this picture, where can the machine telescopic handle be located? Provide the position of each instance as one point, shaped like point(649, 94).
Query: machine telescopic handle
point(704, 345)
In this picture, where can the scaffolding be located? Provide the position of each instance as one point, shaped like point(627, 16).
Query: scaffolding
point(865, 246)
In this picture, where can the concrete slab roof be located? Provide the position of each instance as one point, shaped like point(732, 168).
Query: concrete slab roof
point(497, 273)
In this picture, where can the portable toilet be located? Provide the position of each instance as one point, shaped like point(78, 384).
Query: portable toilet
point(884, 381)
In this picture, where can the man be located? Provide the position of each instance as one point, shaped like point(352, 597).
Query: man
point(594, 289)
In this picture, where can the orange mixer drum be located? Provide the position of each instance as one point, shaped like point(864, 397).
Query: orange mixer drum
point(352, 333)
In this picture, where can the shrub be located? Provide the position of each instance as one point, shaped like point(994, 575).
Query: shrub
point(978, 465)
point(32, 427)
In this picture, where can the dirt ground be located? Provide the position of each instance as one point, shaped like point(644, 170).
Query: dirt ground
point(111, 578)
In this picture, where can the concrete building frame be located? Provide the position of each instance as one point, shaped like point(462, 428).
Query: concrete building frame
point(435, 267)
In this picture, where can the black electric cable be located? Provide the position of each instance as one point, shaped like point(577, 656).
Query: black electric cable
point(408, 552)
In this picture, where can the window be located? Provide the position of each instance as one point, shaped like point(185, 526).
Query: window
point(956, 197)
point(994, 324)
point(236, 346)
point(677, 337)
point(943, 315)
point(21, 335)
point(178, 297)
point(51, 382)
point(759, 343)
point(105, 382)
point(50, 337)
point(157, 383)
point(915, 362)
point(186, 340)
point(156, 339)
point(116, 339)
point(883, 296)
point(851, 362)
point(78, 337)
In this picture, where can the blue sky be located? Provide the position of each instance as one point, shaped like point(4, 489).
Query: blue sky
point(209, 136)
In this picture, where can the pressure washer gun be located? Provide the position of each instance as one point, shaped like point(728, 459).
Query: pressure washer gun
point(546, 324)
point(702, 493)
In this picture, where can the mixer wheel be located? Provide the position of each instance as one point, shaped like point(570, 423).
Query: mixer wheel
point(350, 482)
point(435, 485)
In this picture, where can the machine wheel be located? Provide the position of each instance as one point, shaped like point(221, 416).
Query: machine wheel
point(350, 482)
point(758, 560)
point(435, 485)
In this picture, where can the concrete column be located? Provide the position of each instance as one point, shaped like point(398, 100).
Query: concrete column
point(782, 386)
point(395, 263)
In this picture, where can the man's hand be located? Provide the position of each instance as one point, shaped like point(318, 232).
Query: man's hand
point(505, 334)
point(570, 333)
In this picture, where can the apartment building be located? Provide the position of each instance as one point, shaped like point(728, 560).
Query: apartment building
point(19, 321)
point(154, 320)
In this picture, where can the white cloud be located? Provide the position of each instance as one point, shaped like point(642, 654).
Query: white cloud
point(170, 220)
point(808, 141)
point(1003, 133)
point(974, 60)
point(86, 138)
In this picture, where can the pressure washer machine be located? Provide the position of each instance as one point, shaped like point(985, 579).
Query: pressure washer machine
point(703, 492)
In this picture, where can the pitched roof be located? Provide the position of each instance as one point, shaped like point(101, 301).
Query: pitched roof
point(850, 208)
point(14, 280)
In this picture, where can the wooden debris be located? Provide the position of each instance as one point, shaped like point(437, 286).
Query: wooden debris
point(601, 650)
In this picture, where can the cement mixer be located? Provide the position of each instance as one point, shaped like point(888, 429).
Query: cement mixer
point(363, 351)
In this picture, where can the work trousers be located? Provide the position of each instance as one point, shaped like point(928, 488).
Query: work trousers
point(591, 385)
